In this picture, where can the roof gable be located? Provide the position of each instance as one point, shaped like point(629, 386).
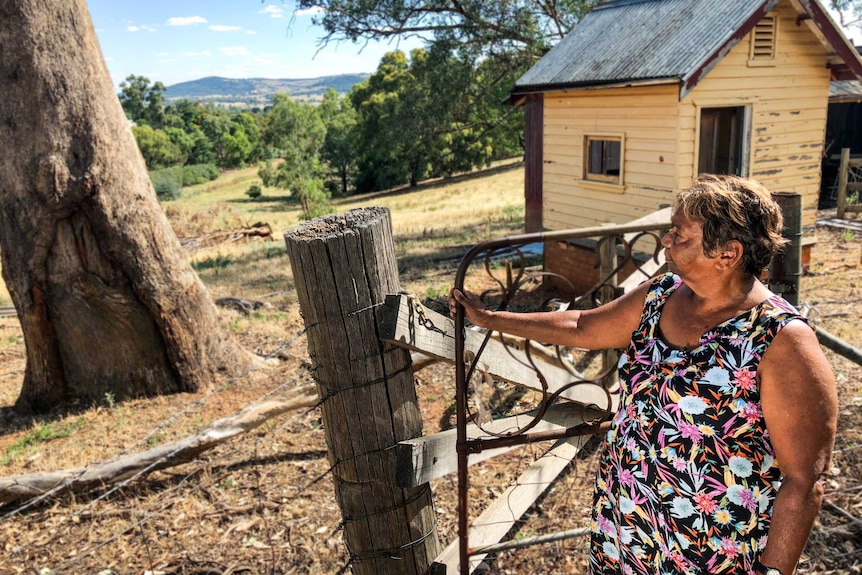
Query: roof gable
point(675, 41)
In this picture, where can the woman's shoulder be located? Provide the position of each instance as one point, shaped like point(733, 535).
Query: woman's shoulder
point(778, 311)
point(776, 305)
point(662, 286)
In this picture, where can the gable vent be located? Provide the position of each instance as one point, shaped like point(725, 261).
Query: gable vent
point(763, 39)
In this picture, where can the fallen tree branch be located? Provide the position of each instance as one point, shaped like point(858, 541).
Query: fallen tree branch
point(19, 487)
point(257, 230)
point(242, 305)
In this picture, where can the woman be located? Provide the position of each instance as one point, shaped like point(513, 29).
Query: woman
point(716, 459)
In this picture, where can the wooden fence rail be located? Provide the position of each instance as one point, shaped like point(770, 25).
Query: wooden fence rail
point(849, 185)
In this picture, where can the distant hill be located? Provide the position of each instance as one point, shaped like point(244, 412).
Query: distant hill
point(251, 92)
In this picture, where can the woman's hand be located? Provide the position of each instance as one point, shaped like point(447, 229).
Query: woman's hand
point(474, 309)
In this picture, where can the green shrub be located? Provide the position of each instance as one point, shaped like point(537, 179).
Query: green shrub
point(169, 182)
point(168, 189)
point(254, 191)
point(199, 173)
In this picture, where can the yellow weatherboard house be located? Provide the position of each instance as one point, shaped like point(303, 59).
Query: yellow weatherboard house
point(642, 95)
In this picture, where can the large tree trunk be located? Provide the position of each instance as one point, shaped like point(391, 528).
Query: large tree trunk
point(107, 301)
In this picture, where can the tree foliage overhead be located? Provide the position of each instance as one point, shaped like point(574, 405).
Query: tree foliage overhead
point(514, 26)
point(506, 36)
point(849, 12)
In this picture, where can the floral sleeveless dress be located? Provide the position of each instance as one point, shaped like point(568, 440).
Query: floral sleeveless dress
point(687, 480)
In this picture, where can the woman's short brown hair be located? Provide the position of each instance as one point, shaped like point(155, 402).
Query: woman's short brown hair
point(734, 208)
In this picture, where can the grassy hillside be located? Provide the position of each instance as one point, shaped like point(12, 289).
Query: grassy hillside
point(433, 225)
point(259, 91)
point(434, 222)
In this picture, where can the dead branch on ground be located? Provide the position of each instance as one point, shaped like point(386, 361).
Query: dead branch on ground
point(19, 487)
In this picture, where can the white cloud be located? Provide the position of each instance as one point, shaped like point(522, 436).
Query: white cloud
point(186, 21)
point(220, 28)
point(309, 11)
point(202, 54)
point(163, 54)
point(251, 32)
point(235, 51)
point(273, 11)
point(133, 28)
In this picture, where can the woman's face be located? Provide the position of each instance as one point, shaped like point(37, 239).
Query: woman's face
point(683, 247)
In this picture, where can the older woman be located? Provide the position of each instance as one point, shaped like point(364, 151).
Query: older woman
point(715, 461)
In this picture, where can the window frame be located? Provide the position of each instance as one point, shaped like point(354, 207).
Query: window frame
point(603, 177)
point(744, 139)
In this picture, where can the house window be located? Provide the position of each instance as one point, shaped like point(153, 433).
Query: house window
point(723, 141)
point(763, 40)
point(603, 161)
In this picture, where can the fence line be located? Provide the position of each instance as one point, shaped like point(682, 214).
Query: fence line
point(150, 513)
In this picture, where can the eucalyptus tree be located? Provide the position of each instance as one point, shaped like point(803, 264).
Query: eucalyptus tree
point(849, 12)
point(107, 301)
point(296, 133)
point(339, 150)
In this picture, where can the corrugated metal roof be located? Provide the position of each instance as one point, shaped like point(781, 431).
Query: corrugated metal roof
point(845, 91)
point(639, 40)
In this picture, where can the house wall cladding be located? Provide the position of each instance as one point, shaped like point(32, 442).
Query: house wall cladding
point(647, 117)
point(788, 104)
point(786, 101)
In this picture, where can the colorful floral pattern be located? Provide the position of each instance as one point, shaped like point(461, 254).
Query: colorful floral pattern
point(688, 477)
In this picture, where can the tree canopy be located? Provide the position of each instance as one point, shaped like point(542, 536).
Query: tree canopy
point(440, 110)
point(493, 28)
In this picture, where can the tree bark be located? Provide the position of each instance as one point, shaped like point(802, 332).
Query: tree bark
point(107, 302)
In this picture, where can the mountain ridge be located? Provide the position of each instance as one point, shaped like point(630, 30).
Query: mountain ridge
point(258, 92)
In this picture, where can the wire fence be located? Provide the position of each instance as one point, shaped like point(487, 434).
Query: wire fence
point(137, 527)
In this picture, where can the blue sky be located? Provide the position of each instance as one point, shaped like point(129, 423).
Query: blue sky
point(175, 41)
point(178, 40)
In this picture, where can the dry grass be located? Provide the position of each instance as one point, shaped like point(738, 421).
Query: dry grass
point(263, 503)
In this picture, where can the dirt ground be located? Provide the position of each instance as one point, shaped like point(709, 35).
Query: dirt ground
point(263, 503)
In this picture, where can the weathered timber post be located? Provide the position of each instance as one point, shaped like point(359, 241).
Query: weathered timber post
point(786, 267)
point(343, 267)
point(843, 169)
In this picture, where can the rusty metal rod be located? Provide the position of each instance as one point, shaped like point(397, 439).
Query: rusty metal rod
point(480, 444)
point(461, 372)
point(839, 346)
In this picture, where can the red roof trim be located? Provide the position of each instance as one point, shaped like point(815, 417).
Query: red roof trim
point(836, 39)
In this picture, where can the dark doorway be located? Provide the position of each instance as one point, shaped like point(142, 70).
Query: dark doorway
point(721, 141)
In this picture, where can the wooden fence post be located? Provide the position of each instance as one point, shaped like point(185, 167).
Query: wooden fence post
point(843, 170)
point(343, 267)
